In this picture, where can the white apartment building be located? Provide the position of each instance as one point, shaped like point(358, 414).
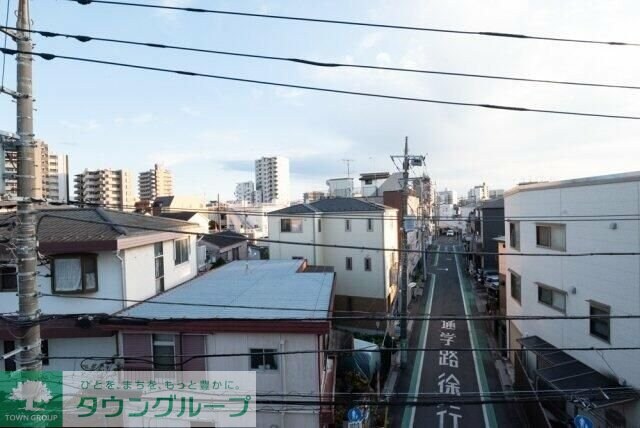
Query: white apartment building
point(51, 173)
point(607, 210)
point(478, 193)
point(57, 183)
point(155, 183)
point(106, 187)
point(245, 192)
point(366, 280)
point(273, 183)
point(448, 197)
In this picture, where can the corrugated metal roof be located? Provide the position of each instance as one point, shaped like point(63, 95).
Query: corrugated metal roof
point(253, 283)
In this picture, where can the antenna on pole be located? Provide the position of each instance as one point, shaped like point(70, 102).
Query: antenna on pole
point(348, 162)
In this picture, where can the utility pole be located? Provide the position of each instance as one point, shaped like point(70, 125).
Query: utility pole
point(28, 309)
point(407, 162)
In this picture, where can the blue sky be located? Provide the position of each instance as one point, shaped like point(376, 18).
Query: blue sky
point(208, 132)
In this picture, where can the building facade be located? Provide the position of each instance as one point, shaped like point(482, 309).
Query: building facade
point(366, 279)
point(57, 183)
point(589, 215)
point(478, 193)
point(273, 183)
point(313, 196)
point(341, 188)
point(245, 192)
point(154, 183)
point(105, 187)
point(448, 197)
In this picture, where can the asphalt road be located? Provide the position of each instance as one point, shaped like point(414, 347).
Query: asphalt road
point(448, 372)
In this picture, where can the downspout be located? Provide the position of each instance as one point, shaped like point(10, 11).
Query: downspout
point(123, 270)
point(283, 377)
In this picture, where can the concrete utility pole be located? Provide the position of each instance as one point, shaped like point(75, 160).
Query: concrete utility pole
point(28, 309)
point(403, 255)
point(407, 162)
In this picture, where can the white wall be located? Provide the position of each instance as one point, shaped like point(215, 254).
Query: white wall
point(109, 286)
point(357, 282)
point(297, 373)
point(611, 280)
point(140, 269)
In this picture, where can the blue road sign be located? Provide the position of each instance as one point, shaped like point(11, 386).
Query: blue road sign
point(354, 414)
point(581, 421)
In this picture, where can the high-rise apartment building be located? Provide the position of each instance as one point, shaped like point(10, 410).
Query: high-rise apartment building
point(155, 183)
point(273, 184)
point(108, 188)
point(245, 192)
point(448, 197)
point(51, 173)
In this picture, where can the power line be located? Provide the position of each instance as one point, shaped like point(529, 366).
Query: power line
point(49, 56)
point(325, 64)
point(351, 247)
point(4, 56)
point(358, 23)
point(366, 317)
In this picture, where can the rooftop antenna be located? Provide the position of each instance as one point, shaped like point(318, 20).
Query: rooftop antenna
point(348, 162)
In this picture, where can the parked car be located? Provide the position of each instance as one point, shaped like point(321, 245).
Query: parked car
point(450, 233)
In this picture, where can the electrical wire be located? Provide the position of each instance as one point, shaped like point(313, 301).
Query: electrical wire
point(353, 247)
point(50, 56)
point(4, 56)
point(325, 64)
point(373, 216)
point(367, 317)
point(356, 23)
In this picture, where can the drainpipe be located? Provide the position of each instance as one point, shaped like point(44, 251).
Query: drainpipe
point(283, 377)
point(123, 270)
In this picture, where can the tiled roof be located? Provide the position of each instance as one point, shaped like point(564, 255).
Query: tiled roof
point(331, 205)
point(252, 284)
point(79, 226)
point(224, 239)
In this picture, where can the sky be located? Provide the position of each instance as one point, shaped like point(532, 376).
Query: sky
point(208, 132)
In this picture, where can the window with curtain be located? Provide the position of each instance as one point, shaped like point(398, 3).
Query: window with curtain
point(181, 251)
point(75, 274)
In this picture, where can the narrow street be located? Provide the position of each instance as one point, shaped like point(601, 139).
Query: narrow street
point(449, 372)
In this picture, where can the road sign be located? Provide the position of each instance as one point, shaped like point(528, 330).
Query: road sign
point(355, 414)
point(582, 421)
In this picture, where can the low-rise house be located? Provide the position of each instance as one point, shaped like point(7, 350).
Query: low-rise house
point(228, 246)
point(97, 261)
point(242, 309)
point(581, 216)
point(200, 219)
point(366, 279)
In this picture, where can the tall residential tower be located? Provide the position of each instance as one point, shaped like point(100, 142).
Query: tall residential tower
point(106, 187)
point(273, 184)
point(155, 183)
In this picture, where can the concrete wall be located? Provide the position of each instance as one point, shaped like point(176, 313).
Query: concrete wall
point(610, 280)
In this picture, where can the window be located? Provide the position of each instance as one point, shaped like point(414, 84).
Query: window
point(8, 278)
point(514, 235)
point(551, 297)
point(516, 287)
point(159, 261)
point(74, 274)
point(551, 236)
point(9, 363)
point(367, 264)
point(263, 359)
point(347, 225)
point(369, 225)
point(600, 327)
point(44, 350)
point(319, 225)
point(349, 263)
point(293, 225)
point(164, 352)
point(181, 251)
